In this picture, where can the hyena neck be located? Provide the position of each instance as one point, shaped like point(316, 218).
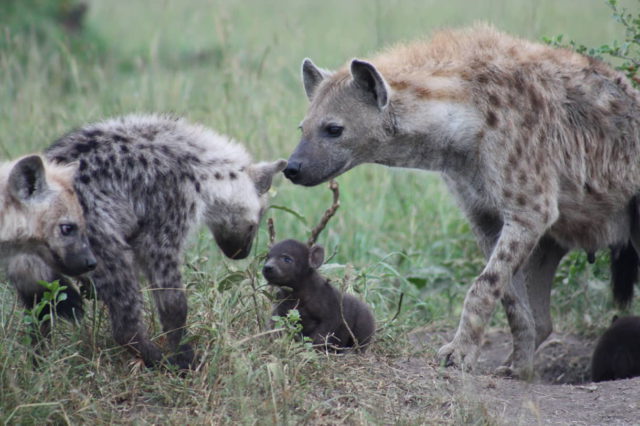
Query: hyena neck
point(432, 135)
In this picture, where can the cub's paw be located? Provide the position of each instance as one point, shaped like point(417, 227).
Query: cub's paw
point(458, 354)
point(184, 358)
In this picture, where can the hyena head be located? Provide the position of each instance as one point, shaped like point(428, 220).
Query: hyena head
point(348, 118)
point(290, 262)
point(234, 218)
point(55, 228)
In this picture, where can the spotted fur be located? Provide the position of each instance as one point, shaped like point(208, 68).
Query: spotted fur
point(540, 146)
point(145, 182)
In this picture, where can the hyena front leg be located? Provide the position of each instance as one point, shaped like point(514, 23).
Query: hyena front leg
point(487, 228)
point(162, 268)
point(519, 235)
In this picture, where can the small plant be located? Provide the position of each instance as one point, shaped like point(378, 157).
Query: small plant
point(53, 295)
point(628, 51)
point(291, 326)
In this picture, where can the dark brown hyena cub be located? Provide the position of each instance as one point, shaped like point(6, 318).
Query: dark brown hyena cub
point(617, 354)
point(292, 266)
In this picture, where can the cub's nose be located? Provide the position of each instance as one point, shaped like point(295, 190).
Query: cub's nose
point(293, 169)
point(267, 269)
point(90, 263)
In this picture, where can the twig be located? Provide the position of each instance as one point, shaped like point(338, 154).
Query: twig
point(333, 186)
point(272, 231)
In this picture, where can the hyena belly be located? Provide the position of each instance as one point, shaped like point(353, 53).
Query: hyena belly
point(144, 182)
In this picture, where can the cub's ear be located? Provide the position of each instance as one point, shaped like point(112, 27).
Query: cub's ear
point(368, 79)
point(316, 256)
point(312, 76)
point(27, 179)
point(262, 173)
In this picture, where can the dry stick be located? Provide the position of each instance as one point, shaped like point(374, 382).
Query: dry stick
point(333, 186)
point(272, 231)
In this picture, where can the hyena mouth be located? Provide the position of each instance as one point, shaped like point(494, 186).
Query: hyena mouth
point(301, 177)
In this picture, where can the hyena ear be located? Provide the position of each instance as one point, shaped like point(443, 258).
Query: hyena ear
point(262, 174)
point(312, 76)
point(27, 179)
point(367, 77)
point(316, 256)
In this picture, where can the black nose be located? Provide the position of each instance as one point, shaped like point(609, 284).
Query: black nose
point(91, 263)
point(293, 168)
point(267, 269)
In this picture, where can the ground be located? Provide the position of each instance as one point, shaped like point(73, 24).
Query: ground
point(417, 390)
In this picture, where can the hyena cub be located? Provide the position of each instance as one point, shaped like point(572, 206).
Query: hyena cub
point(40, 216)
point(144, 182)
point(617, 354)
point(330, 318)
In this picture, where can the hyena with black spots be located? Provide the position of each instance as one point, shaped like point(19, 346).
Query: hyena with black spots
point(144, 182)
point(540, 145)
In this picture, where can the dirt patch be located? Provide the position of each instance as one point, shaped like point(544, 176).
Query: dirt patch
point(561, 359)
point(417, 390)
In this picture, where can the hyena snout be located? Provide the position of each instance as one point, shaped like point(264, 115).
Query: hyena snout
point(75, 258)
point(235, 246)
point(293, 169)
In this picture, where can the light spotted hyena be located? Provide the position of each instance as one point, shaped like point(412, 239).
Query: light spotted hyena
point(144, 182)
point(540, 145)
point(40, 216)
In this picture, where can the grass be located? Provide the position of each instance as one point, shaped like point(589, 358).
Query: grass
point(235, 67)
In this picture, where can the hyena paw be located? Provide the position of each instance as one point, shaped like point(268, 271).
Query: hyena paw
point(184, 358)
point(514, 372)
point(458, 354)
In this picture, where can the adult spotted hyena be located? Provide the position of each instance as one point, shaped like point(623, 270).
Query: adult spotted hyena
point(540, 145)
point(144, 182)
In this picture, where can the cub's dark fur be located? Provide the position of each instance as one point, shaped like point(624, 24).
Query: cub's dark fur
point(292, 266)
point(617, 354)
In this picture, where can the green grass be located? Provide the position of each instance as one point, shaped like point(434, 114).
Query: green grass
point(234, 66)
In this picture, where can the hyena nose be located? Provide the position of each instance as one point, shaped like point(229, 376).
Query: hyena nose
point(91, 263)
point(267, 269)
point(292, 170)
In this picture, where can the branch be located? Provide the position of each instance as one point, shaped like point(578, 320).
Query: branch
point(333, 186)
point(272, 231)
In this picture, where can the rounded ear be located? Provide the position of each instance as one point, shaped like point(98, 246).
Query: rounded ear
point(316, 256)
point(27, 178)
point(312, 76)
point(262, 173)
point(367, 78)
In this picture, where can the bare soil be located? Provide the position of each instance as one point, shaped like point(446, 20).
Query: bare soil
point(416, 390)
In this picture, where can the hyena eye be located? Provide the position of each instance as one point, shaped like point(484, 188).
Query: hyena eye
point(333, 130)
point(67, 229)
point(287, 259)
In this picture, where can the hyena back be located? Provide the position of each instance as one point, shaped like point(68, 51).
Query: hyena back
point(540, 146)
point(144, 182)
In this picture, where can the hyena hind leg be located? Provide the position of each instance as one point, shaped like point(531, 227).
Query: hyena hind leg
point(170, 300)
point(116, 283)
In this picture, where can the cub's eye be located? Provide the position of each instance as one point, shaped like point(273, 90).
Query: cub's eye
point(67, 228)
point(287, 259)
point(333, 130)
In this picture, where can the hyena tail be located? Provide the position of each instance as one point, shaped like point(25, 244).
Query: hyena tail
point(624, 273)
point(26, 271)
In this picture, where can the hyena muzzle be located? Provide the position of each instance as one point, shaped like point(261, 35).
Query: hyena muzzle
point(144, 182)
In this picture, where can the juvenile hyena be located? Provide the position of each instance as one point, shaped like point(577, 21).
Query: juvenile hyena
point(40, 215)
point(330, 318)
point(540, 145)
point(144, 182)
